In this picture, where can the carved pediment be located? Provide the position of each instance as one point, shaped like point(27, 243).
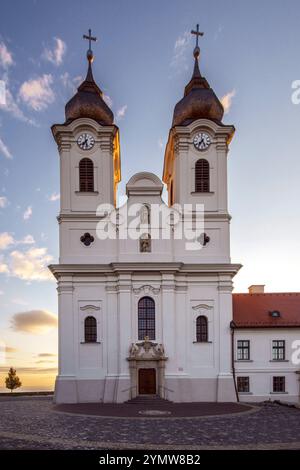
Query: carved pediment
point(146, 289)
point(202, 307)
point(146, 350)
point(89, 307)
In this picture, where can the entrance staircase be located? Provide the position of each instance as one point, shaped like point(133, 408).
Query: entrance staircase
point(148, 400)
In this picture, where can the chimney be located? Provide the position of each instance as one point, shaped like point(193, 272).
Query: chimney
point(256, 289)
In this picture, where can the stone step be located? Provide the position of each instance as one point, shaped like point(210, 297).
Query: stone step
point(148, 400)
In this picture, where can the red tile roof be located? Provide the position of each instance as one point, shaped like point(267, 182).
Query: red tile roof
point(253, 310)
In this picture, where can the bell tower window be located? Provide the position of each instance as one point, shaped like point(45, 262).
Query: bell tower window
point(86, 175)
point(202, 176)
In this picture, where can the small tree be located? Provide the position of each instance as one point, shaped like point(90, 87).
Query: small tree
point(12, 381)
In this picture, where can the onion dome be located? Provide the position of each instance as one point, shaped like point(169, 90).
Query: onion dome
point(199, 100)
point(88, 101)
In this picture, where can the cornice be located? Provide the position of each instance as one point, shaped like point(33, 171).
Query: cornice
point(66, 289)
point(78, 216)
point(214, 269)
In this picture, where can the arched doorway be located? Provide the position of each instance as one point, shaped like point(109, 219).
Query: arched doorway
point(147, 381)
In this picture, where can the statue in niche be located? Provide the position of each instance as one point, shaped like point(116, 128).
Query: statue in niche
point(145, 215)
point(145, 243)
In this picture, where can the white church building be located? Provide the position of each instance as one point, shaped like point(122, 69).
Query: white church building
point(147, 315)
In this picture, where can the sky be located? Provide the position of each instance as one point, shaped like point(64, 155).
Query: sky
point(143, 60)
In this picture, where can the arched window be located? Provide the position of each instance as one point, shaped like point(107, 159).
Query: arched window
point(90, 330)
point(201, 329)
point(202, 176)
point(86, 175)
point(146, 318)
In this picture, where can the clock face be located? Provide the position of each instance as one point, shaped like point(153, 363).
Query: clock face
point(85, 141)
point(202, 141)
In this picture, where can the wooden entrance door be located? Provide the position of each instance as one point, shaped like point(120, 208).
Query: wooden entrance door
point(147, 381)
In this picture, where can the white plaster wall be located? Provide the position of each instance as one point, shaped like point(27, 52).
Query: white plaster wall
point(261, 369)
point(113, 300)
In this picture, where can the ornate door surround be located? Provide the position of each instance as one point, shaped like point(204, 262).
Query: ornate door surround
point(147, 355)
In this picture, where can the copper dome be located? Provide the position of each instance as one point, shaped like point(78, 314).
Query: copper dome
point(88, 103)
point(199, 101)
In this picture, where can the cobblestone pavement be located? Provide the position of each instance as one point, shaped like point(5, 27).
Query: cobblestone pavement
point(32, 423)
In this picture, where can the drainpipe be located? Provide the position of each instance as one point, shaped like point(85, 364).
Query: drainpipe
point(232, 327)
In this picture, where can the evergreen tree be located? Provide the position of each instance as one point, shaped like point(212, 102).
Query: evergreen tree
point(12, 381)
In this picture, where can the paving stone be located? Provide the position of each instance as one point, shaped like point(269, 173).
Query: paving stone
point(35, 424)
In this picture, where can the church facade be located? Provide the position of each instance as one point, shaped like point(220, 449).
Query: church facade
point(145, 314)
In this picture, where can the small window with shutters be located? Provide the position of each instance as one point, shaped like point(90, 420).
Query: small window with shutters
point(86, 175)
point(202, 176)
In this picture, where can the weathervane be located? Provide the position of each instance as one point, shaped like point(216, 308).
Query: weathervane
point(90, 38)
point(197, 34)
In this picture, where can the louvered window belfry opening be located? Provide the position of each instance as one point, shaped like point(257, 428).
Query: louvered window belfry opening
point(146, 318)
point(90, 330)
point(86, 175)
point(201, 329)
point(202, 176)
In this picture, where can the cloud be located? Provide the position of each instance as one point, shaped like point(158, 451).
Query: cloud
point(31, 265)
point(226, 101)
point(121, 112)
point(68, 82)
point(10, 106)
point(56, 54)
point(108, 100)
point(65, 78)
point(6, 59)
point(46, 361)
point(27, 240)
point(32, 370)
point(71, 83)
point(28, 213)
point(77, 80)
point(9, 349)
point(34, 321)
point(6, 240)
point(1, 292)
point(54, 197)
point(3, 267)
point(4, 150)
point(3, 202)
point(218, 32)
point(179, 59)
point(19, 302)
point(37, 93)
point(46, 355)
point(160, 143)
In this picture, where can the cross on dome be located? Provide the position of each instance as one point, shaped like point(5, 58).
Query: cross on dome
point(90, 38)
point(197, 33)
